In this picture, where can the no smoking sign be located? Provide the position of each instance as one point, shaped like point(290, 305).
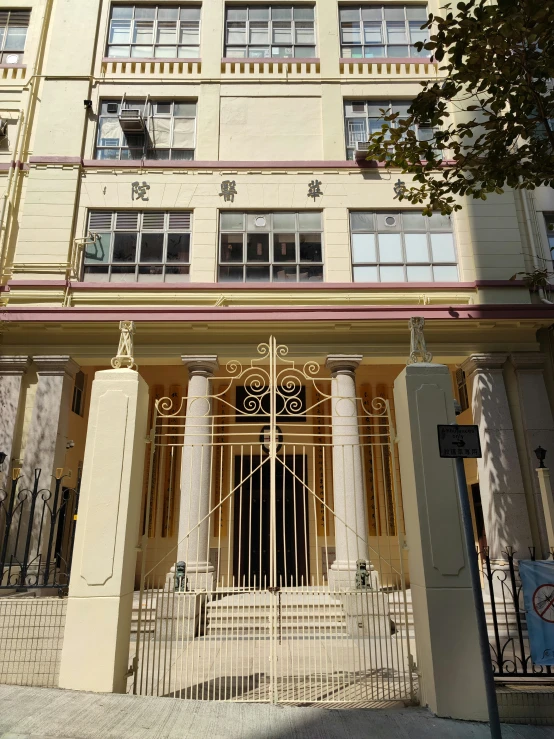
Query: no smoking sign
point(543, 602)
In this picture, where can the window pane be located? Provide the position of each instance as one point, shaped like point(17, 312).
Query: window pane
point(257, 274)
point(303, 13)
point(305, 33)
point(442, 247)
point(143, 33)
point(122, 11)
point(363, 248)
point(419, 274)
point(392, 274)
point(120, 32)
point(281, 14)
point(125, 247)
point(258, 14)
point(231, 274)
point(396, 33)
point(168, 14)
point(188, 52)
point(284, 248)
point(142, 52)
point(446, 274)
point(258, 221)
point(416, 248)
point(282, 33)
point(259, 33)
point(361, 221)
point(310, 248)
point(231, 247)
point(284, 274)
point(310, 274)
point(183, 133)
point(351, 33)
point(99, 252)
point(349, 14)
point(417, 13)
point(365, 274)
point(304, 52)
point(15, 38)
point(388, 221)
point(373, 33)
point(152, 247)
point(390, 248)
point(145, 13)
point(178, 247)
point(372, 14)
point(257, 247)
point(414, 221)
point(236, 33)
point(189, 33)
point(440, 223)
point(190, 14)
point(394, 13)
point(416, 34)
point(284, 221)
point(160, 132)
point(165, 52)
point(309, 221)
point(232, 221)
point(109, 132)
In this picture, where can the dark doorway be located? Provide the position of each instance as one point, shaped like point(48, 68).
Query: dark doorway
point(252, 521)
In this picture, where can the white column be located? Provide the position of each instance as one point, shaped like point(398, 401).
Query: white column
point(47, 437)
point(500, 479)
point(537, 428)
point(12, 370)
point(196, 474)
point(452, 681)
point(351, 528)
point(95, 650)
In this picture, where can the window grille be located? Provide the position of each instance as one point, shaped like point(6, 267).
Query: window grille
point(381, 31)
point(169, 130)
point(154, 32)
point(364, 117)
point(270, 31)
point(462, 389)
point(138, 246)
point(271, 247)
point(13, 35)
point(402, 246)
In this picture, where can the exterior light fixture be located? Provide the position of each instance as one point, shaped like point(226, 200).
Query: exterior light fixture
point(540, 453)
point(87, 104)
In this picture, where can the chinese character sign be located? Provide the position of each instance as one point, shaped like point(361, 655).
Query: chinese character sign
point(399, 189)
point(228, 191)
point(537, 579)
point(314, 189)
point(139, 191)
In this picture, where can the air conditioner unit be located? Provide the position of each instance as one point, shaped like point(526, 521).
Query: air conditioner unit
point(3, 128)
point(362, 149)
point(131, 121)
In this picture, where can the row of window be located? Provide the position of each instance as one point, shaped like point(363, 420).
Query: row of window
point(252, 31)
point(166, 129)
point(150, 246)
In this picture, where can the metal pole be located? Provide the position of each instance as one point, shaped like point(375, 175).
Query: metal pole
point(494, 719)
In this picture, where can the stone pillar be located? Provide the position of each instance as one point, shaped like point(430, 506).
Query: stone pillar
point(351, 528)
point(537, 429)
point(47, 437)
point(98, 623)
point(12, 370)
point(452, 681)
point(196, 468)
point(500, 479)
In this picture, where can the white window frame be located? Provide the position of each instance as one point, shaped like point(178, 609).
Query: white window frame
point(132, 49)
point(271, 49)
point(13, 18)
point(435, 225)
point(368, 16)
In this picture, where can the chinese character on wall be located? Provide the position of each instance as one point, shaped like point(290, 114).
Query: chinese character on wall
point(139, 191)
point(228, 191)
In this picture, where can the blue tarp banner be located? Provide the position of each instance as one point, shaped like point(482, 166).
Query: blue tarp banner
point(537, 579)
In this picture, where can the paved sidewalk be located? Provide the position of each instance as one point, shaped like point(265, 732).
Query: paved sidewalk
point(30, 713)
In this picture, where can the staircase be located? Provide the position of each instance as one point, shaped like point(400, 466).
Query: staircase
point(248, 614)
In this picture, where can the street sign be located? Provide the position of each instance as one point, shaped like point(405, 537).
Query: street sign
point(459, 441)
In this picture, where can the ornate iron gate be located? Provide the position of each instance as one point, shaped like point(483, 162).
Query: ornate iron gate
point(288, 582)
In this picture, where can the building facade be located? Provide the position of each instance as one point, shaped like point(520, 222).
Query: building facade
point(198, 169)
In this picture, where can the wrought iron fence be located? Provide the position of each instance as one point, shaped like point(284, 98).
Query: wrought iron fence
point(37, 532)
point(505, 611)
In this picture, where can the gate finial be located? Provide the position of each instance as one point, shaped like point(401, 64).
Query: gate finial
point(125, 349)
point(418, 347)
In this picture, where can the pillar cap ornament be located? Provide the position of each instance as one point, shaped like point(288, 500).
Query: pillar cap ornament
point(14, 365)
point(55, 365)
point(124, 358)
point(343, 363)
point(492, 361)
point(200, 364)
point(418, 347)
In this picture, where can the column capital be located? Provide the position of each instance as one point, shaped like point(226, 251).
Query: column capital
point(492, 361)
point(14, 365)
point(56, 365)
point(200, 364)
point(527, 360)
point(343, 363)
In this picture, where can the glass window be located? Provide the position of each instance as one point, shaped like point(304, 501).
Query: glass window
point(363, 118)
point(13, 34)
point(169, 130)
point(382, 31)
point(271, 247)
point(151, 31)
point(402, 246)
point(274, 31)
point(549, 225)
point(143, 246)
